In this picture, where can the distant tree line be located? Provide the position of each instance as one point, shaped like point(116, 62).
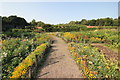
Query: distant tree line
point(98, 22)
point(77, 25)
point(14, 22)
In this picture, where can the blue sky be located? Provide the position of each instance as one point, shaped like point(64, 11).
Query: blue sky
point(60, 12)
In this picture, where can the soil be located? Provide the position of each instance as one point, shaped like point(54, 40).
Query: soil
point(59, 63)
point(109, 54)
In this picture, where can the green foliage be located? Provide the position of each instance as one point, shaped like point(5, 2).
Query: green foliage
point(18, 22)
point(98, 36)
point(13, 22)
point(93, 63)
point(96, 63)
point(14, 50)
point(107, 27)
point(65, 28)
point(21, 34)
point(47, 27)
point(29, 27)
point(40, 23)
point(83, 22)
point(98, 22)
point(33, 22)
point(21, 30)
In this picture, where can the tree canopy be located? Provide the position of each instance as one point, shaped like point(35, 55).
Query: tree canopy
point(98, 22)
point(13, 22)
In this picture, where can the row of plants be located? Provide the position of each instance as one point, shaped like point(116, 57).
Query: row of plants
point(20, 33)
point(98, 36)
point(9, 34)
point(22, 68)
point(21, 30)
point(14, 50)
point(92, 62)
point(107, 27)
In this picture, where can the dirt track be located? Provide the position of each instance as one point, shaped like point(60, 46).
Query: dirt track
point(59, 63)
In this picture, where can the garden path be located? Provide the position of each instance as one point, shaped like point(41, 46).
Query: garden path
point(59, 63)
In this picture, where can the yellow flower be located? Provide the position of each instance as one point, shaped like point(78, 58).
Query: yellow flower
point(78, 61)
point(98, 39)
point(106, 76)
point(108, 67)
point(90, 62)
point(79, 58)
point(86, 47)
point(91, 75)
point(21, 69)
point(96, 49)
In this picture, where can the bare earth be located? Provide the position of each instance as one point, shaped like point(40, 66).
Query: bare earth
point(106, 51)
point(59, 63)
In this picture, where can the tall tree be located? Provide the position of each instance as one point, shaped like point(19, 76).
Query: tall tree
point(83, 22)
point(33, 22)
point(13, 22)
point(40, 23)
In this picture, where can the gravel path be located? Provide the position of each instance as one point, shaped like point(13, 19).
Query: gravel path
point(59, 63)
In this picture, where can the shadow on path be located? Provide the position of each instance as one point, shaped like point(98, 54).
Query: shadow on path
point(58, 63)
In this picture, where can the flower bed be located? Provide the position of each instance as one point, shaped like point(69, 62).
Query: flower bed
point(14, 50)
point(93, 63)
point(23, 67)
point(109, 37)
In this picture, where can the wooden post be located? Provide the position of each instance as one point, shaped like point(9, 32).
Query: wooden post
point(36, 60)
point(30, 72)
